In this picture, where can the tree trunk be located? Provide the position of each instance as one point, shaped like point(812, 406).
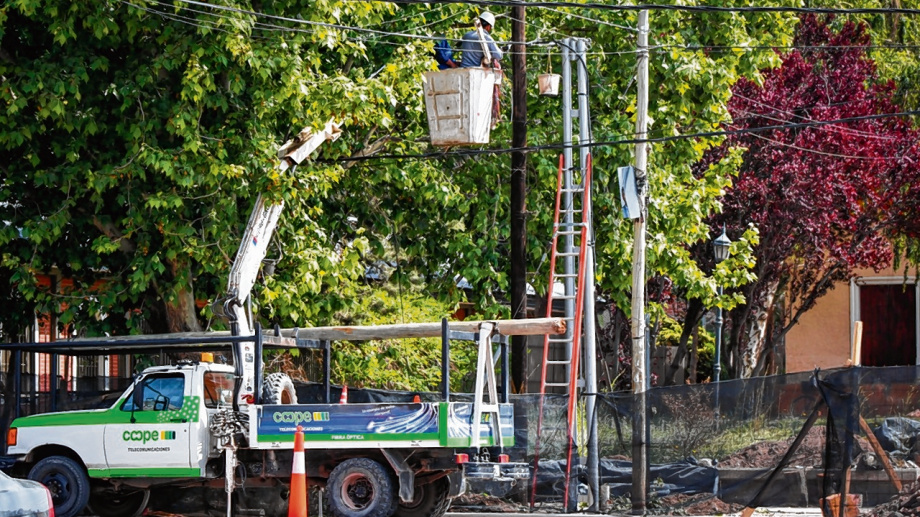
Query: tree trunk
point(695, 312)
point(182, 314)
point(755, 333)
point(694, 354)
point(178, 300)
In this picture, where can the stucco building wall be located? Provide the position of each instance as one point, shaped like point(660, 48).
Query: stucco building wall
point(824, 334)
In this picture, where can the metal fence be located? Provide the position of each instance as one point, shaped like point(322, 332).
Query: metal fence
point(711, 444)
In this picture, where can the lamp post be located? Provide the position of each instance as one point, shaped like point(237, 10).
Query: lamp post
point(720, 246)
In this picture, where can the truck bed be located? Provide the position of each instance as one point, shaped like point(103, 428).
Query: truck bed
point(365, 426)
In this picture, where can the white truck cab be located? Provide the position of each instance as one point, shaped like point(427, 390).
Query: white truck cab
point(157, 428)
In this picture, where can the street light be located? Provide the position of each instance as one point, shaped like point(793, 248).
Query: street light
point(721, 248)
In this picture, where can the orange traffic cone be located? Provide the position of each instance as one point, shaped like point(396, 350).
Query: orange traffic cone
point(344, 398)
point(297, 504)
point(416, 399)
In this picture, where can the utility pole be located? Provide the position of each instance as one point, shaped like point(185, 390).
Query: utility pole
point(637, 327)
point(590, 343)
point(518, 195)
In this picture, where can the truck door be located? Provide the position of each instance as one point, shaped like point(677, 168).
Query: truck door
point(151, 434)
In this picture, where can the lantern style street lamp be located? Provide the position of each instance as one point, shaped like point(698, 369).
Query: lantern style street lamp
point(721, 248)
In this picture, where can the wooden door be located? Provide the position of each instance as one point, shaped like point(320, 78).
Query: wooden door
point(889, 315)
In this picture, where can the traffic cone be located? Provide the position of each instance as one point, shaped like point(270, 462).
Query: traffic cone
point(297, 503)
point(343, 399)
point(416, 399)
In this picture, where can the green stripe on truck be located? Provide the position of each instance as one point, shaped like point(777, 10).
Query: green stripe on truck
point(145, 473)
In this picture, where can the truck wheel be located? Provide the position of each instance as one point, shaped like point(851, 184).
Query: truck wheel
point(109, 503)
point(429, 500)
point(67, 482)
point(360, 487)
point(278, 388)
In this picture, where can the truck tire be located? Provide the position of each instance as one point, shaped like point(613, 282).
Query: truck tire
point(278, 388)
point(66, 480)
point(428, 500)
point(106, 502)
point(360, 487)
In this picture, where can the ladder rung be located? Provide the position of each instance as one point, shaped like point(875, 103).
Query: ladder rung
point(558, 363)
point(564, 297)
point(557, 385)
point(566, 275)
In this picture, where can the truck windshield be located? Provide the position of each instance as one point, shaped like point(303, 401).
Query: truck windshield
point(218, 389)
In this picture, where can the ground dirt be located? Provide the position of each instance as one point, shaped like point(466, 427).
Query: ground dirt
point(810, 452)
point(906, 504)
point(699, 504)
point(483, 503)
point(763, 455)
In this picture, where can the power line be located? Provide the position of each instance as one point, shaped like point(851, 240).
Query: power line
point(593, 20)
point(305, 22)
point(624, 141)
point(845, 130)
point(662, 7)
point(825, 153)
point(773, 48)
point(705, 48)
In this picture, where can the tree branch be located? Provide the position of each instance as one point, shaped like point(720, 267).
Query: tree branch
point(108, 229)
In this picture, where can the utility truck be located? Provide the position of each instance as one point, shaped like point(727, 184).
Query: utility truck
point(181, 425)
point(200, 423)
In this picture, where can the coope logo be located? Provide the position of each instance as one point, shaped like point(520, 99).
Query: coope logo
point(292, 417)
point(148, 436)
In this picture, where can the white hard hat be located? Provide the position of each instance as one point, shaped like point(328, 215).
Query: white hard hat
point(488, 17)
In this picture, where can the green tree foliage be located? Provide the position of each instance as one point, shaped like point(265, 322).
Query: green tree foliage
point(141, 133)
point(385, 363)
point(894, 36)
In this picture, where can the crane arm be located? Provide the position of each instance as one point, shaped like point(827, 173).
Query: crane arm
point(253, 248)
point(261, 227)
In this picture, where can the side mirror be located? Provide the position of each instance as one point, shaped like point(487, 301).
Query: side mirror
point(161, 403)
point(226, 397)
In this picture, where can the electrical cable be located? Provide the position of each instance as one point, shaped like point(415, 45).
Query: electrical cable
point(845, 130)
point(825, 153)
point(211, 26)
point(593, 20)
point(624, 141)
point(264, 26)
point(664, 7)
point(306, 22)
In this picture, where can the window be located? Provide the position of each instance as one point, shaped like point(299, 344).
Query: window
point(159, 393)
point(218, 389)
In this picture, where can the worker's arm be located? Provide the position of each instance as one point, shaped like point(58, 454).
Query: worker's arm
point(493, 49)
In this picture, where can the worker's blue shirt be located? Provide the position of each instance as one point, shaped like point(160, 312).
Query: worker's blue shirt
point(443, 54)
point(472, 49)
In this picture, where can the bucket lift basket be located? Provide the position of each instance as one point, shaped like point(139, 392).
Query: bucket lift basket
point(459, 104)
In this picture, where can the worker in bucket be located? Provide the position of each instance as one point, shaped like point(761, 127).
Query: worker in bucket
point(444, 55)
point(476, 40)
point(474, 46)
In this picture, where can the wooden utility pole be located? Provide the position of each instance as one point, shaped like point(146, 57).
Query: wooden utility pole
point(639, 345)
point(518, 195)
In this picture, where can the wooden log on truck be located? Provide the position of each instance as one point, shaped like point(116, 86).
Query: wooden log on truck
point(522, 327)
